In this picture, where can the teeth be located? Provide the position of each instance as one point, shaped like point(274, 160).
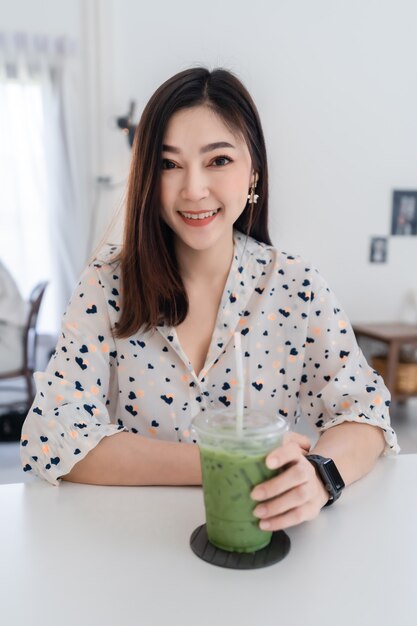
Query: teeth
point(201, 216)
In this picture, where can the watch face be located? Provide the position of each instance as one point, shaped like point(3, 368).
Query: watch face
point(333, 475)
point(329, 474)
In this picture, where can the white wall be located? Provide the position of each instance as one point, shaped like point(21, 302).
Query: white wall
point(335, 85)
point(52, 17)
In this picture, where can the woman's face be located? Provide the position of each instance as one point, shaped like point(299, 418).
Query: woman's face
point(205, 179)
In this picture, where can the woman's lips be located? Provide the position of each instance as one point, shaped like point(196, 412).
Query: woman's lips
point(198, 223)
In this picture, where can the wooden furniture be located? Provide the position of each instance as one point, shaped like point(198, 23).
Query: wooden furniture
point(106, 556)
point(29, 338)
point(395, 336)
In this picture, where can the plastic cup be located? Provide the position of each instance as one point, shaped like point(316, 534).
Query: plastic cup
point(232, 464)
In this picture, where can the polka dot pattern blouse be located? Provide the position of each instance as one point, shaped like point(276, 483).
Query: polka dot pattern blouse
point(301, 359)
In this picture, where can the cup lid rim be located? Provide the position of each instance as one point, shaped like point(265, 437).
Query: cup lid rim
point(199, 423)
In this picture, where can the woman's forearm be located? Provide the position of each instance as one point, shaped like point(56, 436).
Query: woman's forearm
point(129, 459)
point(354, 448)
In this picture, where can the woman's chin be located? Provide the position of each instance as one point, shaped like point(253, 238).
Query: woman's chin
point(204, 239)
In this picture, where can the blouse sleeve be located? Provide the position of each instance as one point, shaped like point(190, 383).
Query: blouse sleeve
point(69, 415)
point(337, 384)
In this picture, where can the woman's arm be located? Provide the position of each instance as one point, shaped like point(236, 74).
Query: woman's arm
point(354, 448)
point(343, 397)
point(297, 494)
point(129, 459)
point(70, 414)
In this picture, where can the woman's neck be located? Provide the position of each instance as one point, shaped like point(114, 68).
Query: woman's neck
point(209, 266)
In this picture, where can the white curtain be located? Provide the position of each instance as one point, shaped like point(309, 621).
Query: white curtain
point(44, 216)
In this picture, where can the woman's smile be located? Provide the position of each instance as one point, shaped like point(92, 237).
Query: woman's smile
point(198, 218)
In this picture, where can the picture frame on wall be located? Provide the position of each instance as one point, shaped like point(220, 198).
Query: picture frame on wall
point(404, 213)
point(378, 250)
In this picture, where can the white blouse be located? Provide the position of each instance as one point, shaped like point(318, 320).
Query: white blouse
point(301, 359)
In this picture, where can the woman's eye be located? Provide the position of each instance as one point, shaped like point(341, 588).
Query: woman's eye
point(221, 160)
point(167, 165)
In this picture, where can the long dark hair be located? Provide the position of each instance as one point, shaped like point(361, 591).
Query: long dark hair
point(152, 288)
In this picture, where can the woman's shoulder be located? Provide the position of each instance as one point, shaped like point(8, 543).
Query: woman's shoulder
point(103, 268)
point(100, 279)
point(284, 263)
point(108, 254)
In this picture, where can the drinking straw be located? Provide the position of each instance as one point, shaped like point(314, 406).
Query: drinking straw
point(240, 389)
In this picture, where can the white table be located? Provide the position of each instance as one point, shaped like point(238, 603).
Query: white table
point(79, 554)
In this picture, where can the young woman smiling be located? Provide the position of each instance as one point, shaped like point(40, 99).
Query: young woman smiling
point(147, 340)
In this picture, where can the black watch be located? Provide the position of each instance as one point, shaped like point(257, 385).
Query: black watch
point(329, 475)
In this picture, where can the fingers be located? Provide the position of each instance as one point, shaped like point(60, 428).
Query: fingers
point(292, 517)
point(293, 496)
point(289, 452)
point(303, 441)
point(297, 496)
point(301, 502)
point(294, 476)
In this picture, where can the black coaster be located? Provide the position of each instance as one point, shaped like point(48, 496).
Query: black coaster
point(277, 549)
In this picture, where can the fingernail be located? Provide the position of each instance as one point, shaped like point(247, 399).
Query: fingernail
point(272, 463)
point(259, 511)
point(264, 525)
point(258, 494)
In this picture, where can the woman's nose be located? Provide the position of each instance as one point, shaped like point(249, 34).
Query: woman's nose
point(195, 185)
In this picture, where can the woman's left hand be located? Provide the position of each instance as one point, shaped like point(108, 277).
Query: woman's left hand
point(296, 494)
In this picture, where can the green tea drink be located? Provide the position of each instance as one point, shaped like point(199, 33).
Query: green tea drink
point(231, 467)
point(228, 479)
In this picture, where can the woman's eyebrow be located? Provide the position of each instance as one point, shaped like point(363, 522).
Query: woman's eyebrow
point(204, 149)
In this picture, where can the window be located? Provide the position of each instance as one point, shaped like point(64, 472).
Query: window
point(24, 237)
point(45, 193)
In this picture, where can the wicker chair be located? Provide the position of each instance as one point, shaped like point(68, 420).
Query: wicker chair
point(29, 339)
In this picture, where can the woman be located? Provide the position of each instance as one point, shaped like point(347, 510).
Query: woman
point(147, 340)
